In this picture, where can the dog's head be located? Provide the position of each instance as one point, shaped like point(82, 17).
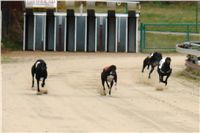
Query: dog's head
point(113, 68)
point(43, 66)
point(168, 60)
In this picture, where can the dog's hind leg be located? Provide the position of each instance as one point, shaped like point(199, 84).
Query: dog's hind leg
point(145, 63)
point(152, 68)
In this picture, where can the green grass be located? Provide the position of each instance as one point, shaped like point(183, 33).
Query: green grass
point(164, 42)
point(187, 28)
point(172, 13)
point(194, 38)
point(11, 45)
point(179, 12)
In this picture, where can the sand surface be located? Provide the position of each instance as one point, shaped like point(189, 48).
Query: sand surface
point(74, 102)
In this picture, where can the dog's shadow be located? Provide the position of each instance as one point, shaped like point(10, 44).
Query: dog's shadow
point(44, 90)
point(106, 92)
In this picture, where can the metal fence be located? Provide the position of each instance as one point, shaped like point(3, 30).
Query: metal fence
point(164, 37)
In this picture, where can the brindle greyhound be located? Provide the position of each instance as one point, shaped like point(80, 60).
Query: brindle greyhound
point(152, 61)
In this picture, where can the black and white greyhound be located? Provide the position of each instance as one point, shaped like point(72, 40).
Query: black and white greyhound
point(164, 69)
point(109, 75)
point(39, 70)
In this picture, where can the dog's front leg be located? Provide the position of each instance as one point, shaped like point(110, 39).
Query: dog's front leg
point(107, 84)
point(38, 85)
point(111, 84)
point(104, 90)
point(148, 66)
point(167, 77)
point(43, 82)
point(161, 79)
point(32, 81)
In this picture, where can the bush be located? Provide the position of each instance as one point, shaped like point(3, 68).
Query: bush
point(7, 44)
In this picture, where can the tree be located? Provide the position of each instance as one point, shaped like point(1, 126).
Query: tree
point(12, 22)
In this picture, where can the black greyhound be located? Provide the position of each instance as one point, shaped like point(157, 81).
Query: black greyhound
point(109, 75)
point(153, 61)
point(40, 70)
point(164, 69)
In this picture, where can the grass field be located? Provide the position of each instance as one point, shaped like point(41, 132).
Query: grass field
point(165, 42)
point(173, 13)
point(171, 18)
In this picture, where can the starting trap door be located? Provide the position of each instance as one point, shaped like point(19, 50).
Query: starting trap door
point(121, 33)
point(50, 22)
point(131, 31)
point(81, 33)
point(60, 32)
point(40, 26)
point(91, 34)
point(111, 28)
point(28, 30)
point(101, 33)
point(70, 35)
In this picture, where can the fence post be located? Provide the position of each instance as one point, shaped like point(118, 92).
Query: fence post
point(196, 16)
point(188, 33)
point(141, 37)
point(0, 23)
point(144, 38)
point(126, 7)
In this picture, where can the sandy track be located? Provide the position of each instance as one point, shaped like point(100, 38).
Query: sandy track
point(74, 103)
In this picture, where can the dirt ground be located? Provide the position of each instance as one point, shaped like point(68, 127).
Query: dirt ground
point(74, 102)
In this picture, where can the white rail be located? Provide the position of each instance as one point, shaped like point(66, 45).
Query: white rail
point(186, 48)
